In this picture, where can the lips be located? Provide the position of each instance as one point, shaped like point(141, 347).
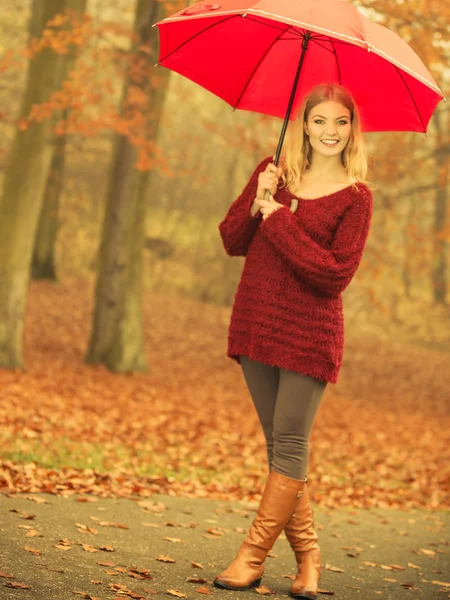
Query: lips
point(330, 143)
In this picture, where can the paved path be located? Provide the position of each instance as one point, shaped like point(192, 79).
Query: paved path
point(376, 553)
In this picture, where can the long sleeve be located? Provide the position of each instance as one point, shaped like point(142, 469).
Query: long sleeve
point(330, 270)
point(238, 227)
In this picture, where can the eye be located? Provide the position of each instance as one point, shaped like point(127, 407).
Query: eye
point(343, 122)
point(318, 121)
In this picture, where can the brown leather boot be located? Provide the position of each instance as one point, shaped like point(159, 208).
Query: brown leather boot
point(278, 503)
point(303, 539)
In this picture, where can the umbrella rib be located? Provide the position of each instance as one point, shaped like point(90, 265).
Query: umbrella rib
point(258, 65)
point(197, 34)
point(271, 25)
point(412, 97)
point(337, 62)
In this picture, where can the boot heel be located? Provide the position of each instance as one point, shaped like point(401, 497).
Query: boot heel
point(256, 583)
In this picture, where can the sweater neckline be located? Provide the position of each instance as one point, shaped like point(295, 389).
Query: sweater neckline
point(325, 197)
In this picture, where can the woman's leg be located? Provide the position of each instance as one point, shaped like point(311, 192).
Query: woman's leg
point(297, 402)
point(298, 399)
point(262, 382)
point(280, 496)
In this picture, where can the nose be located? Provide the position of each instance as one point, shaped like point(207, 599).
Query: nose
point(331, 131)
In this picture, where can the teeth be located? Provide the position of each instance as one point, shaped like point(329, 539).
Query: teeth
point(330, 142)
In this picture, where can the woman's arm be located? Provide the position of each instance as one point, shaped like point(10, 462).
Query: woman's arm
point(239, 226)
point(329, 270)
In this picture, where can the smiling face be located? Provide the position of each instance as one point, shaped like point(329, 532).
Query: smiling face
point(328, 127)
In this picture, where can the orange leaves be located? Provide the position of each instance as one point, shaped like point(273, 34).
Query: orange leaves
point(32, 550)
point(203, 590)
point(136, 97)
point(165, 559)
point(17, 585)
point(195, 427)
point(264, 591)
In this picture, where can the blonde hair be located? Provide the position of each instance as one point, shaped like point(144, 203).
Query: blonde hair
point(299, 150)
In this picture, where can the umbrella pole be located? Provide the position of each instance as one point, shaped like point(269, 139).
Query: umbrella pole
point(292, 98)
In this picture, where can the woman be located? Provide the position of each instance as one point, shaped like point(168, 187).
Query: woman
point(287, 325)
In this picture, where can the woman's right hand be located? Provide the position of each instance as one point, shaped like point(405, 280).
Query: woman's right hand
point(268, 180)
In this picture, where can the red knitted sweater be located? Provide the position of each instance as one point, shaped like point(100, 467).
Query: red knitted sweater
point(287, 310)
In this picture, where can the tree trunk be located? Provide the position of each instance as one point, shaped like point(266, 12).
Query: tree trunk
point(43, 263)
point(117, 335)
point(440, 266)
point(24, 181)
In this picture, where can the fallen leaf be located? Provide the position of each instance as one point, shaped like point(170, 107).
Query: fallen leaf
point(32, 550)
point(110, 524)
point(444, 583)
point(37, 499)
point(23, 515)
point(197, 565)
point(264, 590)
point(352, 587)
point(203, 590)
point(86, 499)
point(329, 567)
point(196, 580)
point(213, 531)
point(139, 573)
point(89, 548)
point(176, 593)
point(165, 559)
point(173, 540)
point(33, 533)
point(16, 584)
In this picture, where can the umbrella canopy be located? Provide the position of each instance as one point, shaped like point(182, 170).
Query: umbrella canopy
point(247, 52)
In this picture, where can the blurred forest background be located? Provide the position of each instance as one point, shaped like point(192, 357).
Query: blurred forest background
point(110, 159)
point(114, 176)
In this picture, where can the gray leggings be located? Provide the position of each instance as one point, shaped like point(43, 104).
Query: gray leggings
point(286, 403)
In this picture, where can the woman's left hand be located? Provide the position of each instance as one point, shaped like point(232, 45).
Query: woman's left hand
point(267, 207)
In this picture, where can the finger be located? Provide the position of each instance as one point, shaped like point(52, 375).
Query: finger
point(272, 167)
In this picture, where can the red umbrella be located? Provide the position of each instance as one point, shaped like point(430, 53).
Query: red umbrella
point(251, 53)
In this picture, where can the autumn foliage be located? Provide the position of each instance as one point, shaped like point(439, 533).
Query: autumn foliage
point(188, 427)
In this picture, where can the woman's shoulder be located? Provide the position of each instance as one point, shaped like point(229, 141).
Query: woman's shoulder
point(363, 190)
